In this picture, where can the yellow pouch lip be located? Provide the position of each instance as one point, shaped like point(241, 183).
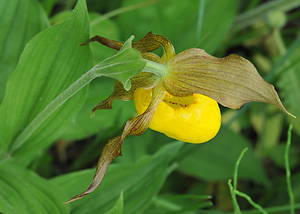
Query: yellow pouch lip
point(196, 122)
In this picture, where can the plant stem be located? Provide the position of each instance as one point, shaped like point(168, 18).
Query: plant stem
point(155, 68)
point(50, 108)
point(288, 171)
point(236, 206)
point(279, 41)
point(249, 199)
point(233, 188)
point(236, 167)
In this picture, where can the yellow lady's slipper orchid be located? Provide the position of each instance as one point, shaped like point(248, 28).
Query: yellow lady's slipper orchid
point(178, 94)
point(192, 119)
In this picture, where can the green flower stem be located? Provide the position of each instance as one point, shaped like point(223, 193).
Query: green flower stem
point(236, 167)
point(279, 41)
point(288, 171)
point(233, 188)
point(236, 206)
point(156, 68)
point(270, 210)
point(279, 209)
point(55, 104)
point(249, 199)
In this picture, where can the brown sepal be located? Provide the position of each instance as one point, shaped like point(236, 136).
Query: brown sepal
point(141, 80)
point(232, 81)
point(112, 150)
point(149, 43)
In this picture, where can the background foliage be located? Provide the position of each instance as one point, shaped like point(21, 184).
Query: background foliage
point(41, 56)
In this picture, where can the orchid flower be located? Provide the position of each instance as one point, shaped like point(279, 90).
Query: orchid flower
point(178, 95)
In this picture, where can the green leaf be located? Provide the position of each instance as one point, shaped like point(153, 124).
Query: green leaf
point(215, 160)
point(118, 208)
point(23, 191)
point(106, 28)
point(179, 204)
point(83, 126)
point(19, 22)
point(276, 154)
point(178, 21)
point(49, 64)
point(149, 172)
point(60, 17)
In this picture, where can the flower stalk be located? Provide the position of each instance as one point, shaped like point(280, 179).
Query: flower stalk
point(156, 68)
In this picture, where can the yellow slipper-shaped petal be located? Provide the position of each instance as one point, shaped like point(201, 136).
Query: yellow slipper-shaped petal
point(193, 119)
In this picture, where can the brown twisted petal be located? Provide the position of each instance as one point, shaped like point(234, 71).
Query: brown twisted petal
point(139, 124)
point(232, 81)
point(146, 44)
point(112, 150)
point(149, 43)
point(153, 57)
point(142, 80)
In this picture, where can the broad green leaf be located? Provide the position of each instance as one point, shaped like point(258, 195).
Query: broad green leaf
point(19, 22)
point(49, 64)
point(83, 126)
point(60, 17)
point(149, 172)
point(24, 192)
point(179, 204)
point(215, 160)
point(106, 28)
point(118, 208)
point(131, 152)
point(276, 154)
point(178, 21)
